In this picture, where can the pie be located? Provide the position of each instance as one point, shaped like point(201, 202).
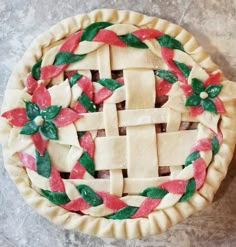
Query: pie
point(117, 124)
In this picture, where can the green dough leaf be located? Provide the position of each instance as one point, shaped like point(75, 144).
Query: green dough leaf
point(213, 90)
point(57, 198)
point(43, 164)
point(133, 41)
point(87, 162)
point(189, 190)
point(35, 71)
point(74, 78)
point(167, 75)
point(87, 102)
point(32, 110)
point(123, 213)
point(193, 100)
point(215, 146)
point(193, 156)
point(90, 31)
point(154, 192)
point(49, 130)
point(50, 112)
point(89, 195)
point(29, 128)
point(110, 83)
point(183, 68)
point(65, 57)
point(197, 86)
point(169, 42)
point(208, 105)
point(80, 133)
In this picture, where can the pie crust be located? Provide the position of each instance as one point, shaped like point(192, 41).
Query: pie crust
point(97, 152)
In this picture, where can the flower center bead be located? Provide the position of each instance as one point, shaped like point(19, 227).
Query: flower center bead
point(38, 120)
point(203, 95)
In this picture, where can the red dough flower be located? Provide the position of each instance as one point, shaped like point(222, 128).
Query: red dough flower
point(40, 119)
point(203, 95)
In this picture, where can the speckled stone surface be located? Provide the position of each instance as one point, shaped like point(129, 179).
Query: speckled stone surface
point(213, 23)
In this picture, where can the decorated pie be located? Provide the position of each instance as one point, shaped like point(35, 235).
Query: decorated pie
point(117, 124)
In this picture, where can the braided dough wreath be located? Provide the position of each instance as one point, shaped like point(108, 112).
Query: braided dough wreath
point(117, 124)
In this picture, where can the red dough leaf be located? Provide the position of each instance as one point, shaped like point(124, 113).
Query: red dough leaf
point(199, 167)
point(196, 110)
point(17, 117)
point(55, 181)
point(109, 37)
point(121, 80)
point(76, 205)
point(87, 143)
point(65, 116)
point(147, 206)
point(219, 105)
point(111, 201)
point(27, 160)
point(78, 107)
point(187, 89)
point(31, 84)
point(213, 79)
point(219, 136)
point(202, 145)
point(174, 186)
point(52, 71)
point(86, 85)
point(70, 73)
point(162, 87)
point(71, 43)
point(41, 96)
point(104, 93)
point(168, 55)
point(101, 95)
point(77, 171)
point(144, 34)
point(39, 142)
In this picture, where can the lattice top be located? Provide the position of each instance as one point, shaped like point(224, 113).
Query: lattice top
point(117, 120)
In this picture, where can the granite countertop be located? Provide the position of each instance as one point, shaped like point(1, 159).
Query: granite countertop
point(213, 23)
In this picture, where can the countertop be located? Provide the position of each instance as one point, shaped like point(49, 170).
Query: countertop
point(213, 23)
